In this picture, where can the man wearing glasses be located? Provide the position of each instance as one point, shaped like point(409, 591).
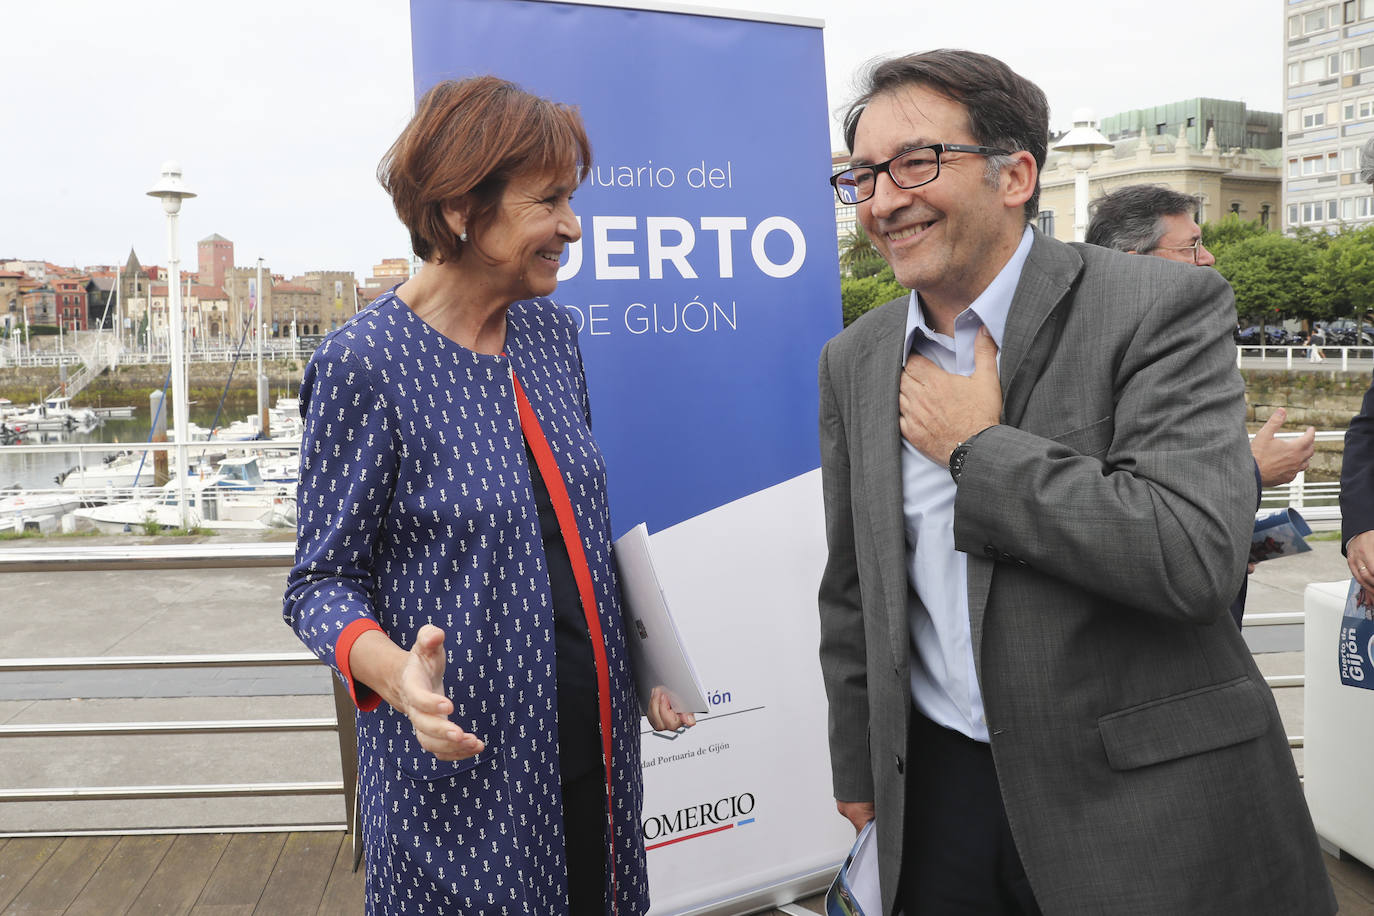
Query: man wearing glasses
point(1037, 509)
point(1149, 219)
point(1155, 220)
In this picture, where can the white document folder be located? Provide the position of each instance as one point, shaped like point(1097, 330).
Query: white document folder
point(656, 649)
point(854, 891)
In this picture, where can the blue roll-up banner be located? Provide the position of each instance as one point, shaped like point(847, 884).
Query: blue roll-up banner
point(705, 284)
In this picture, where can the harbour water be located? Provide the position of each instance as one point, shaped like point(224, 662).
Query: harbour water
point(38, 471)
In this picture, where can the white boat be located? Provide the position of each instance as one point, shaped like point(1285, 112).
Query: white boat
point(234, 497)
point(17, 503)
point(121, 472)
point(237, 431)
point(135, 516)
point(53, 413)
point(285, 469)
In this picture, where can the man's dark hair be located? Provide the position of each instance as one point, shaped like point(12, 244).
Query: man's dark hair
point(1128, 219)
point(1004, 109)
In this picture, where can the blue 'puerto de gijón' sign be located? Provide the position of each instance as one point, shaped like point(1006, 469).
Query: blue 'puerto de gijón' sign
point(706, 280)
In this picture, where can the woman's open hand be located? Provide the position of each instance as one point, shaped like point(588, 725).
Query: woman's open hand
point(421, 689)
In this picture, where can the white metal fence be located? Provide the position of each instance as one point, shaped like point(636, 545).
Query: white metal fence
point(1290, 356)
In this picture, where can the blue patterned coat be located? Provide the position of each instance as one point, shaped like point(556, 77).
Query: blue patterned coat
point(415, 506)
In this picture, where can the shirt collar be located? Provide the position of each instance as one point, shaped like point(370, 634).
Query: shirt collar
point(991, 306)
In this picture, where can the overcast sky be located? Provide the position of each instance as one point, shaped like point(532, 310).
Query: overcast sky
point(278, 110)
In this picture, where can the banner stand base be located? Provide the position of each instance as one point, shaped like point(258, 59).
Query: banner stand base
point(760, 898)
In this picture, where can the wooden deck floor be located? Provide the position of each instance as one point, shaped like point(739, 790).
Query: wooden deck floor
point(268, 874)
point(205, 874)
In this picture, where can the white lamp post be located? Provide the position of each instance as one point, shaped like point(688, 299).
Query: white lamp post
point(172, 192)
point(1082, 143)
point(259, 326)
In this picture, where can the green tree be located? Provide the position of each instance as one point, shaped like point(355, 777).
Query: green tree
point(1342, 279)
point(870, 268)
point(1221, 234)
point(1269, 274)
point(856, 248)
point(860, 294)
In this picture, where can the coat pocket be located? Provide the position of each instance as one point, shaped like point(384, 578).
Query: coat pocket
point(423, 766)
point(1185, 724)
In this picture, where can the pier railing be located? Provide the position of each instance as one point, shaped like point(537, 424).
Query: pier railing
point(88, 461)
point(135, 558)
point(1294, 356)
point(1314, 499)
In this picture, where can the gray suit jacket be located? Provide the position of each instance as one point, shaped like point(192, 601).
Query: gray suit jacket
point(1107, 523)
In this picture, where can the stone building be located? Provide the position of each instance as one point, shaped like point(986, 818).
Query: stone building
point(215, 257)
point(241, 292)
point(205, 308)
point(39, 302)
point(338, 298)
point(296, 302)
point(11, 305)
point(1243, 182)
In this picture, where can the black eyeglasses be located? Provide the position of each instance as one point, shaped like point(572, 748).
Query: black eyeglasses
point(909, 169)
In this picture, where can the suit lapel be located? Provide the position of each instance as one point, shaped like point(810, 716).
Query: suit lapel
point(878, 382)
point(1034, 322)
point(1032, 329)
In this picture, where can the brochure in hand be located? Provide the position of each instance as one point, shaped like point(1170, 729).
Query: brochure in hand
point(1279, 534)
point(1356, 650)
point(657, 651)
point(855, 892)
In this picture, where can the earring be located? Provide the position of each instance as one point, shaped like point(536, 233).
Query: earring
point(463, 236)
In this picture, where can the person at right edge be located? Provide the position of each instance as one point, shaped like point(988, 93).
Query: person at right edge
point(1039, 503)
point(1357, 460)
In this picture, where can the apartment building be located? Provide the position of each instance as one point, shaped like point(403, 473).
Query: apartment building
point(1329, 111)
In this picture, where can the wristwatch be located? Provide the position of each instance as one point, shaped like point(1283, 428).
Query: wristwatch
point(960, 455)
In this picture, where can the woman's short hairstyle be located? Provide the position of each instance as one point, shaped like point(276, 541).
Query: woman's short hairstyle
point(471, 137)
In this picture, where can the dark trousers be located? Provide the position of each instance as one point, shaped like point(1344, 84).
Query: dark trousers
point(958, 856)
point(584, 842)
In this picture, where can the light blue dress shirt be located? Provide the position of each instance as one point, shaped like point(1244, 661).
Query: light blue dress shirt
point(944, 685)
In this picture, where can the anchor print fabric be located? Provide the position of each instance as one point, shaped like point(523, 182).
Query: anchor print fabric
point(415, 507)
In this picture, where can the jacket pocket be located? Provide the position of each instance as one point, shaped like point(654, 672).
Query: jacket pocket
point(1092, 440)
point(422, 766)
point(1185, 724)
